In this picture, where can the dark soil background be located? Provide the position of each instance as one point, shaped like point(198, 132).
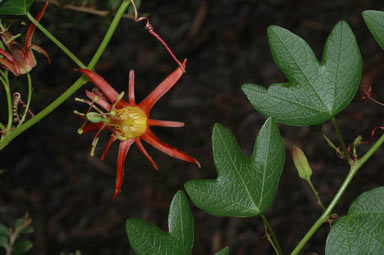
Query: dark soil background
point(67, 193)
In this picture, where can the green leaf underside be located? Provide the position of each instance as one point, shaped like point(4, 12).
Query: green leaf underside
point(224, 251)
point(21, 246)
point(375, 23)
point(15, 7)
point(147, 239)
point(316, 90)
point(245, 187)
point(361, 231)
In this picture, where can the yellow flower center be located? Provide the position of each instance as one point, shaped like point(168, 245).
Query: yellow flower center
point(130, 122)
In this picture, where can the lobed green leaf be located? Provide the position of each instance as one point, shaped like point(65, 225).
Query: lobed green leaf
point(375, 23)
point(147, 239)
point(316, 90)
point(15, 7)
point(224, 251)
point(245, 187)
point(361, 231)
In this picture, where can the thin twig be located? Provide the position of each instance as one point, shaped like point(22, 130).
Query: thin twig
point(90, 10)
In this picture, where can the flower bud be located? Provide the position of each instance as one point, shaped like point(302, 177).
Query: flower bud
point(301, 163)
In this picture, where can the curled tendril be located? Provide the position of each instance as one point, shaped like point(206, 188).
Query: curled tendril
point(16, 101)
point(340, 153)
point(151, 31)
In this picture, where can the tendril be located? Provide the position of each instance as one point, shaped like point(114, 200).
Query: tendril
point(16, 101)
point(151, 31)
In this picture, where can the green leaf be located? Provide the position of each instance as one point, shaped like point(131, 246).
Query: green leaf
point(27, 230)
point(316, 90)
point(148, 239)
point(20, 223)
point(375, 23)
point(15, 7)
point(3, 230)
point(361, 231)
point(21, 246)
point(3, 240)
point(224, 251)
point(245, 187)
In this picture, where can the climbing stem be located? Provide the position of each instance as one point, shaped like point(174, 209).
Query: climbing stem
point(75, 86)
point(112, 28)
point(272, 238)
point(356, 165)
point(56, 41)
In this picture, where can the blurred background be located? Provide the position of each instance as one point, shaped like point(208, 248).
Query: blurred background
point(48, 172)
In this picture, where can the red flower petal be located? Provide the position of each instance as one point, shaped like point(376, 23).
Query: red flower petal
point(147, 104)
point(131, 88)
point(164, 123)
point(6, 54)
point(111, 140)
point(104, 86)
point(100, 101)
point(89, 127)
point(31, 29)
point(42, 51)
point(145, 153)
point(123, 150)
point(8, 65)
point(150, 138)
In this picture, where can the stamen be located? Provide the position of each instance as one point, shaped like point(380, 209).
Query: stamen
point(121, 95)
point(94, 143)
point(79, 100)
point(79, 113)
point(91, 104)
point(96, 139)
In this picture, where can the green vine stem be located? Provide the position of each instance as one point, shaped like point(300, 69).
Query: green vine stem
point(352, 172)
point(55, 41)
point(342, 143)
point(75, 86)
point(29, 99)
point(272, 238)
point(5, 81)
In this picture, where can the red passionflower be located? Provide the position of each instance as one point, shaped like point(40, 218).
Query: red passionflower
point(20, 58)
point(129, 122)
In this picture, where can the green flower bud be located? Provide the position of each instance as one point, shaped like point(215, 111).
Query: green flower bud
point(301, 163)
